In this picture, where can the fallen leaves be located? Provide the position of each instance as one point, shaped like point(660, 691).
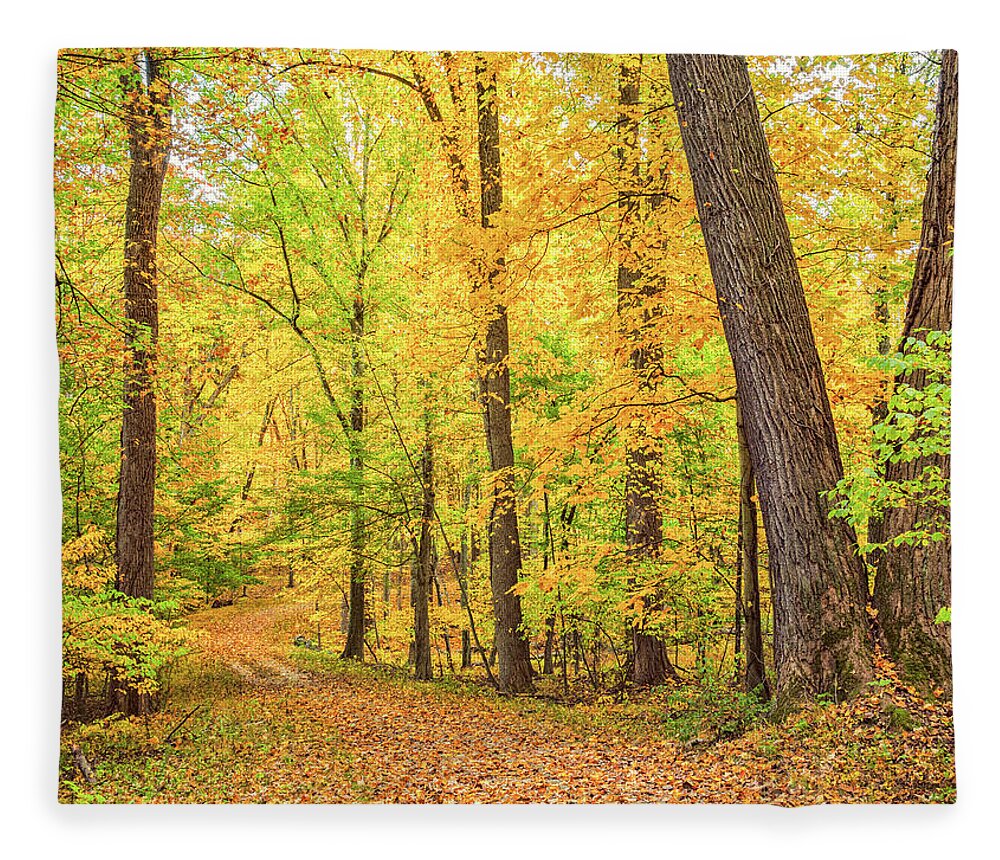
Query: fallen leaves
point(330, 732)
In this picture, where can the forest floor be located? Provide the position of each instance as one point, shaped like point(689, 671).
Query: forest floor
point(250, 718)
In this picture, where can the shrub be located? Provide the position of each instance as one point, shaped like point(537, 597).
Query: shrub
point(109, 635)
point(712, 711)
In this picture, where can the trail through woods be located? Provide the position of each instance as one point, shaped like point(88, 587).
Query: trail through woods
point(253, 719)
point(404, 742)
point(248, 642)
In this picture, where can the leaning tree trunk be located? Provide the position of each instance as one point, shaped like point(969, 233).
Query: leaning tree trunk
point(822, 643)
point(421, 587)
point(755, 678)
point(354, 647)
point(637, 297)
point(504, 541)
point(913, 582)
point(147, 119)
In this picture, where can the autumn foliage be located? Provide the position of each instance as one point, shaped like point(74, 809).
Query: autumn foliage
point(438, 381)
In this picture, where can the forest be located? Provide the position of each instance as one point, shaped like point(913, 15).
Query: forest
point(447, 427)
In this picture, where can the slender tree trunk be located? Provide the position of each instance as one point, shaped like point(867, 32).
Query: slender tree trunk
point(548, 666)
point(548, 553)
point(466, 649)
point(755, 678)
point(504, 540)
point(913, 583)
point(738, 602)
point(637, 298)
point(147, 119)
point(464, 566)
point(354, 647)
point(880, 408)
point(252, 468)
point(421, 588)
point(822, 643)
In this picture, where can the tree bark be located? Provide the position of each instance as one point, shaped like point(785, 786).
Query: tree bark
point(465, 557)
point(822, 643)
point(548, 554)
point(650, 665)
point(421, 588)
point(515, 671)
point(147, 119)
point(755, 678)
point(146, 110)
point(880, 409)
point(913, 583)
point(354, 647)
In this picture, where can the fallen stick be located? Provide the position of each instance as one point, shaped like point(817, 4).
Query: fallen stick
point(189, 714)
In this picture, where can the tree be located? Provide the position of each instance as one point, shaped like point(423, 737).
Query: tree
point(494, 374)
point(421, 585)
point(913, 579)
point(822, 643)
point(146, 110)
point(643, 453)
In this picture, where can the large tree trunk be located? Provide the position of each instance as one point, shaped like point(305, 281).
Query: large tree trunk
point(421, 586)
point(504, 541)
point(822, 643)
point(147, 119)
point(637, 298)
point(354, 647)
point(913, 583)
point(755, 678)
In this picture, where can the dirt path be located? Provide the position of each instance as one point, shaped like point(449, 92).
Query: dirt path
point(252, 639)
point(407, 742)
